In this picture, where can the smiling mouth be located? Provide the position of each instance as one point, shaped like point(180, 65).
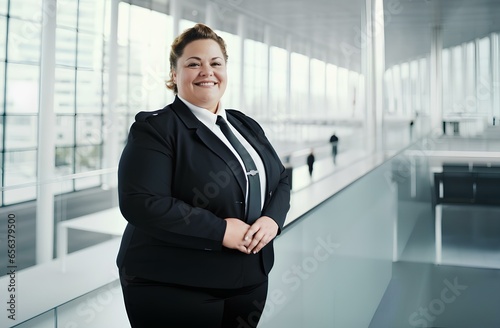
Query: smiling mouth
point(206, 84)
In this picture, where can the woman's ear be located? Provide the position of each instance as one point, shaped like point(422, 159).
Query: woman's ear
point(174, 76)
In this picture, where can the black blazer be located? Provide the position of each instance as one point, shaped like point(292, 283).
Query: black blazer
point(177, 181)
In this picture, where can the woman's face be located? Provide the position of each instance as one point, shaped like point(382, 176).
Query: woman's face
point(201, 75)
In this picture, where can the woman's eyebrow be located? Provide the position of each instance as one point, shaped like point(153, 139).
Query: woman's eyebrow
point(198, 58)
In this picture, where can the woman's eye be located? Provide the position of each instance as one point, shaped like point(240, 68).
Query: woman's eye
point(193, 65)
point(216, 64)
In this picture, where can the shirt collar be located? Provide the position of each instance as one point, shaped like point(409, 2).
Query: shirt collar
point(204, 115)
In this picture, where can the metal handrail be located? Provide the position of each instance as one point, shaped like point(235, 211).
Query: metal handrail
point(60, 179)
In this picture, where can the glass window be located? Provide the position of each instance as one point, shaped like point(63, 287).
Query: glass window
point(123, 127)
point(123, 57)
point(2, 85)
point(87, 159)
point(22, 88)
point(389, 91)
point(88, 92)
point(415, 96)
point(66, 13)
point(140, 24)
point(398, 89)
point(88, 130)
point(136, 93)
point(64, 165)
point(457, 68)
point(64, 161)
point(299, 85)
point(24, 41)
point(184, 24)
point(122, 90)
point(91, 15)
point(470, 76)
point(342, 90)
point(233, 47)
point(255, 77)
point(136, 61)
point(484, 87)
point(354, 92)
point(27, 9)
point(331, 90)
point(20, 131)
point(3, 36)
point(20, 168)
point(123, 23)
point(65, 47)
point(144, 38)
point(278, 83)
point(317, 87)
point(405, 89)
point(89, 47)
point(64, 90)
point(1, 170)
point(65, 130)
point(1, 137)
point(3, 7)
point(424, 84)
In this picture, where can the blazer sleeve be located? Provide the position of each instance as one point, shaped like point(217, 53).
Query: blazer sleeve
point(145, 174)
point(279, 203)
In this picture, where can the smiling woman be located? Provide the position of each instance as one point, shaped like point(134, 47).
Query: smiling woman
point(204, 194)
point(201, 74)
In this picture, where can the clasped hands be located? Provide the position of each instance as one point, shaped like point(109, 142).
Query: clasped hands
point(249, 238)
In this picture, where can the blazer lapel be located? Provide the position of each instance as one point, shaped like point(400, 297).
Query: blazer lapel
point(210, 140)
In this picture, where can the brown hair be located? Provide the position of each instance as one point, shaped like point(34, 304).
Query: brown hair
point(197, 32)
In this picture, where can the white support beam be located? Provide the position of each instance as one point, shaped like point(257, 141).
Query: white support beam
point(46, 137)
point(373, 62)
point(241, 31)
point(110, 126)
point(176, 13)
point(436, 79)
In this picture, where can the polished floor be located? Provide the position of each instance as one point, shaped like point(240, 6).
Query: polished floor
point(464, 292)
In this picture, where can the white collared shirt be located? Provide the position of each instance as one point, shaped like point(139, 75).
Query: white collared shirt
point(209, 120)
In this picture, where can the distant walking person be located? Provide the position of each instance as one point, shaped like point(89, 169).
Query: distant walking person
point(310, 162)
point(411, 130)
point(334, 140)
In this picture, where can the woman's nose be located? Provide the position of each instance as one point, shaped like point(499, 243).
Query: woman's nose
point(206, 71)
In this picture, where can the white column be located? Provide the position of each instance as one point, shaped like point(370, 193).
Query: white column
point(367, 69)
point(268, 111)
point(464, 71)
point(46, 137)
point(210, 15)
point(242, 34)
point(176, 13)
point(436, 80)
point(476, 74)
point(324, 110)
point(288, 79)
point(310, 106)
point(379, 69)
point(373, 60)
point(110, 130)
point(495, 78)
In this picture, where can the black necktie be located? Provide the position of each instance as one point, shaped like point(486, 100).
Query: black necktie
point(254, 194)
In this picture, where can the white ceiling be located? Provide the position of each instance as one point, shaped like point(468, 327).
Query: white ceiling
point(408, 23)
point(326, 25)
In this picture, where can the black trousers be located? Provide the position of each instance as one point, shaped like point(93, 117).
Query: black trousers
point(152, 304)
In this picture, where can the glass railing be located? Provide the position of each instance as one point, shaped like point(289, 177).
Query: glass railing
point(50, 247)
point(332, 268)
